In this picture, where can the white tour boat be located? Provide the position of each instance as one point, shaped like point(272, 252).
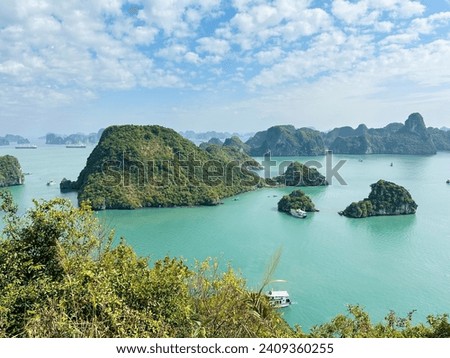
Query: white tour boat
point(298, 213)
point(279, 299)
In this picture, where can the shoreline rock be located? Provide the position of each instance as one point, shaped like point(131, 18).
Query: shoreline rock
point(10, 171)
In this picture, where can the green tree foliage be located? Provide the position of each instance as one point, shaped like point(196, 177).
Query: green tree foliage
point(60, 276)
point(296, 200)
point(357, 324)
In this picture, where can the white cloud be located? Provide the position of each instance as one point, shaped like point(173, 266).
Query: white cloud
point(348, 11)
point(173, 52)
point(255, 22)
point(268, 57)
point(214, 46)
point(58, 52)
point(369, 12)
point(179, 18)
point(429, 24)
point(405, 38)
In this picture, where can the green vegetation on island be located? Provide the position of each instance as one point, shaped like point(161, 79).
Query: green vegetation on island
point(10, 171)
point(286, 141)
point(396, 138)
point(61, 276)
point(298, 174)
point(152, 166)
point(296, 200)
point(412, 138)
point(236, 142)
point(385, 198)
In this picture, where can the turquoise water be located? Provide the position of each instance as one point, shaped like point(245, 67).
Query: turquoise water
point(384, 263)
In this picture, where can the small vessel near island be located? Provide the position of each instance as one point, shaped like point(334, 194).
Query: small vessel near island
point(26, 146)
point(279, 299)
point(298, 213)
point(76, 146)
point(51, 182)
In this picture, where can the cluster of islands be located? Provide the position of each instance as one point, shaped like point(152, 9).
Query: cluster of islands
point(152, 166)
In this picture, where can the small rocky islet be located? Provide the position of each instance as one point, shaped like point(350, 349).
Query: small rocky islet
point(295, 201)
point(385, 199)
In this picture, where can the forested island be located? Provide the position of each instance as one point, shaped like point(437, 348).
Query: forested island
point(152, 166)
point(10, 171)
point(296, 200)
point(411, 137)
point(298, 174)
point(385, 198)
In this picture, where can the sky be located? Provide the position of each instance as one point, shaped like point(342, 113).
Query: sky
point(239, 65)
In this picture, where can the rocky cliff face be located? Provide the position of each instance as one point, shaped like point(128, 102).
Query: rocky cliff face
point(409, 138)
point(441, 138)
point(10, 171)
point(286, 141)
point(385, 198)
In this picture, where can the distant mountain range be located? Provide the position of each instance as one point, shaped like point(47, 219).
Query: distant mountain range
point(13, 138)
point(78, 138)
point(204, 137)
point(412, 137)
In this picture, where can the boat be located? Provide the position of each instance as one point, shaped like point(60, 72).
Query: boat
point(448, 181)
point(76, 146)
point(51, 182)
point(278, 299)
point(28, 146)
point(298, 213)
point(392, 164)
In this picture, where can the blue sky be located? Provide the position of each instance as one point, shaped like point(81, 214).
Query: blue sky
point(240, 65)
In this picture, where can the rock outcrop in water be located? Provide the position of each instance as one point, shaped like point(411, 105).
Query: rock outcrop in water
point(152, 166)
point(298, 174)
point(10, 171)
point(385, 198)
point(296, 200)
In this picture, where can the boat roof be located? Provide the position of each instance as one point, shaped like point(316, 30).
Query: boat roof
point(278, 293)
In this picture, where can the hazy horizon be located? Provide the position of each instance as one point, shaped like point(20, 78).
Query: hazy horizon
point(37, 136)
point(207, 65)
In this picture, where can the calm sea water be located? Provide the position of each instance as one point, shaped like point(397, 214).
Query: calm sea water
point(385, 263)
